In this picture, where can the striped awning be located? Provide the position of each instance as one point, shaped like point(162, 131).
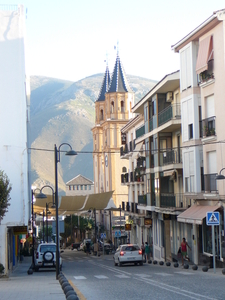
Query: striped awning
point(205, 53)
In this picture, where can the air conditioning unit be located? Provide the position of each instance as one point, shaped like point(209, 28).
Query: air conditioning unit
point(169, 96)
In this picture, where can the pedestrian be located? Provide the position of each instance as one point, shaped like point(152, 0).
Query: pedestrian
point(143, 251)
point(147, 251)
point(88, 247)
point(184, 246)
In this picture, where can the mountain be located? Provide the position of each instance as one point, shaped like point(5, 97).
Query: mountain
point(64, 112)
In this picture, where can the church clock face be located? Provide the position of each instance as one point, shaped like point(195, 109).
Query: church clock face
point(106, 161)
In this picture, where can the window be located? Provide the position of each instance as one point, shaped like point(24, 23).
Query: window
point(101, 115)
point(89, 187)
point(112, 107)
point(122, 106)
point(190, 131)
point(70, 187)
point(81, 187)
point(77, 187)
point(85, 187)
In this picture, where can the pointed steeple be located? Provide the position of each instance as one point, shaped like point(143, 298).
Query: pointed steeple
point(105, 85)
point(119, 82)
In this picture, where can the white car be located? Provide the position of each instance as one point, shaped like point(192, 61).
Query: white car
point(46, 256)
point(127, 254)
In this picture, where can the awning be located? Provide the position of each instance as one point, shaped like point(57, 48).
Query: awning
point(205, 53)
point(71, 204)
point(97, 201)
point(196, 213)
point(137, 150)
point(111, 206)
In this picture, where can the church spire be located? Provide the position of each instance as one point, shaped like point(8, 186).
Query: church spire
point(105, 85)
point(119, 82)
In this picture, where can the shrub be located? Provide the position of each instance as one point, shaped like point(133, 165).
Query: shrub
point(1, 268)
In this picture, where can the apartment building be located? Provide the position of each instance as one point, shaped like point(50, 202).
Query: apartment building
point(162, 138)
point(202, 90)
point(14, 141)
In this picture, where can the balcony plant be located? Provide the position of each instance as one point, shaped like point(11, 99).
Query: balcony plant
point(209, 132)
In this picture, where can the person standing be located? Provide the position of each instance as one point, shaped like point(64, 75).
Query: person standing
point(184, 246)
point(143, 251)
point(147, 251)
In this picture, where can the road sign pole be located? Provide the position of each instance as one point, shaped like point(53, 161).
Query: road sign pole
point(213, 244)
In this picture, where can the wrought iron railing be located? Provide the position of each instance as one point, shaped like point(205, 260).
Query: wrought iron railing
point(172, 111)
point(210, 183)
point(172, 156)
point(208, 127)
point(172, 200)
point(142, 199)
point(140, 131)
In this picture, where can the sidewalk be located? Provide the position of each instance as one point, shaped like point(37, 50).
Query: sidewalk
point(39, 285)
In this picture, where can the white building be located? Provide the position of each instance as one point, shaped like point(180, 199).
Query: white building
point(14, 120)
point(79, 185)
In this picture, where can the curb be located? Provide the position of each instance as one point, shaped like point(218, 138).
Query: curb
point(68, 290)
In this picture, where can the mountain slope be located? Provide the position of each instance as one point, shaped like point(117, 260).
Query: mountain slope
point(63, 112)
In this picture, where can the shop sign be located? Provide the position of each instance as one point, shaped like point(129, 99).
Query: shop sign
point(127, 227)
point(148, 222)
point(19, 230)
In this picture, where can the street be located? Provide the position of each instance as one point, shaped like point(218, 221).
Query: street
point(98, 278)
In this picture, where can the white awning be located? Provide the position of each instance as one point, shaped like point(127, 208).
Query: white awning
point(196, 213)
point(138, 148)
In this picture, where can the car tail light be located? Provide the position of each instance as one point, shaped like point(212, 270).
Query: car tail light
point(122, 253)
point(37, 255)
point(140, 252)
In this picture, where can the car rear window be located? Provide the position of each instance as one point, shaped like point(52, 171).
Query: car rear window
point(45, 248)
point(130, 248)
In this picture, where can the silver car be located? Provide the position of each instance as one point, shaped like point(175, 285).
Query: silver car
point(127, 254)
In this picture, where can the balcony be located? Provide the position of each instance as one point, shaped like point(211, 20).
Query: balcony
point(132, 176)
point(171, 157)
point(210, 183)
point(127, 148)
point(142, 199)
point(172, 200)
point(140, 131)
point(208, 74)
point(207, 127)
point(171, 112)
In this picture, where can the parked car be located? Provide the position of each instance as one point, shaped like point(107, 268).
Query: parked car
point(75, 246)
point(83, 244)
point(128, 253)
point(107, 247)
point(46, 256)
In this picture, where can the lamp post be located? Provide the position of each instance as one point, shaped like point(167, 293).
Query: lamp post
point(47, 212)
point(43, 225)
point(57, 159)
point(33, 189)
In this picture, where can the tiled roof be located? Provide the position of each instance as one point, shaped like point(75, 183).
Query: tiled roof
point(119, 81)
point(79, 179)
point(105, 86)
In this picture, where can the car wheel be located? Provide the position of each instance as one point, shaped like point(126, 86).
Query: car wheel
point(141, 263)
point(120, 264)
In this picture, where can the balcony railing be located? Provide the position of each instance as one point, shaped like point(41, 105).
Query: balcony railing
point(171, 112)
point(208, 127)
point(210, 183)
point(172, 200)
point(173, 156)
point(142, 199)
point(140, 131)
point(127, 148)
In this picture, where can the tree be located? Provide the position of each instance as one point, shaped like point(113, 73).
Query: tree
point(5, 189)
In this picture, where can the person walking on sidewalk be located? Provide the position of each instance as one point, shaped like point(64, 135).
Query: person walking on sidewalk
point(147, 251)
point(143, 251)
point(184, 246)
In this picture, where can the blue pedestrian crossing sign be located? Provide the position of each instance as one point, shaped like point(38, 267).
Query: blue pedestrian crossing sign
point(213, 218)
point(103, 235)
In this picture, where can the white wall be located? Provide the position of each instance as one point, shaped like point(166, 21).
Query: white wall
point(14, 114)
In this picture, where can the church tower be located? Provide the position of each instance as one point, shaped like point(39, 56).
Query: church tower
point(113, 111)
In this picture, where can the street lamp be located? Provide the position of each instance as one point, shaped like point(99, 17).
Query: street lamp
point(57, 159)
point(43, 196)
point(33, 189)
point(220, 176)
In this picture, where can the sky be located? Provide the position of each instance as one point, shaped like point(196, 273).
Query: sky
point(72, 39)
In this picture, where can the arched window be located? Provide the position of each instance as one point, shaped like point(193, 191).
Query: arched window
point(122, 106)
point(112, 107)
point(101, 115)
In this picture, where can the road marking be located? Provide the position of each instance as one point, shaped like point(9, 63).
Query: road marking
point(184, 273)
point(122, 276)
point(162, 274)
point(173, 289)
point(101, 276)
point(79, 277)
point(143, 275)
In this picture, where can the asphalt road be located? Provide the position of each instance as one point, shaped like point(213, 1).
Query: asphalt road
point(98, 278)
